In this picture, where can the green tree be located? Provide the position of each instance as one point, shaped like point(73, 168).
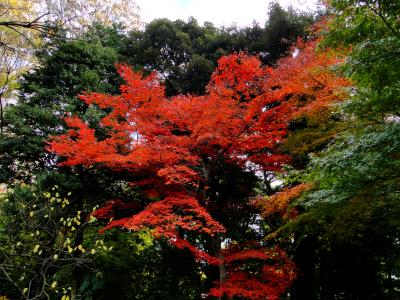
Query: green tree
point(348, 220)
point(281, 31)
point(47, 93)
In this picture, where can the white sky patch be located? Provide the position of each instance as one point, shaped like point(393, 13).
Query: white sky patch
point(219, 12)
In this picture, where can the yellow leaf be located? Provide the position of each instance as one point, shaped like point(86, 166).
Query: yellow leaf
point(36, 248)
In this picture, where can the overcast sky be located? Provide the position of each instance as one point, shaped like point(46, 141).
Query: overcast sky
point(219, 12)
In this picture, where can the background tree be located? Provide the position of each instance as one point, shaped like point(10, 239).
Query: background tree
point(67, 67)
point(25, 23)
point(76, 16)
point(281, 31)
point(185, 53)
point(20, 29)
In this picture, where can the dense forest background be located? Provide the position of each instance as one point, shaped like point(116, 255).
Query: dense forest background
point(310, 208)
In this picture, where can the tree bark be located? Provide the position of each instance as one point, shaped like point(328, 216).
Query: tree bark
point(216, 250)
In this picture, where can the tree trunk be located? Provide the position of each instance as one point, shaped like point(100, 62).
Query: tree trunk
point(216, 251)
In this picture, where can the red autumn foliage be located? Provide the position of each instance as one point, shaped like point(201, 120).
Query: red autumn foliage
point(171, 145)
point(271, 273)
point(172, 213)
point(306, 82)
point(168, 137)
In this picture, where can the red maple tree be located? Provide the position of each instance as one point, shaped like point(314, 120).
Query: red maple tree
point(172, 145)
